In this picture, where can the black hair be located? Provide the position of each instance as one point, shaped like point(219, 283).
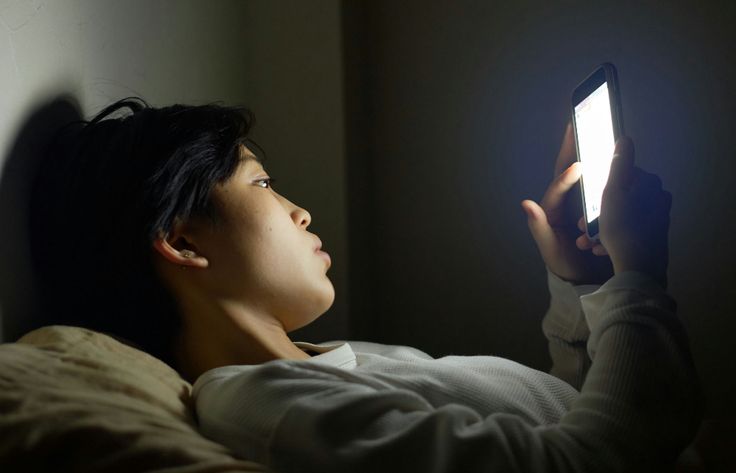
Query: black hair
point(109, 187)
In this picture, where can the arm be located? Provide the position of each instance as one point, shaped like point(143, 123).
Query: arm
point(635, 412)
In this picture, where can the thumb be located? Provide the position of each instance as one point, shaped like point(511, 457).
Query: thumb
point(622, 165)
point(539, 226)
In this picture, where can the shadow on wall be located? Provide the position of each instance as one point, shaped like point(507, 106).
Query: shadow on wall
point(19, 305)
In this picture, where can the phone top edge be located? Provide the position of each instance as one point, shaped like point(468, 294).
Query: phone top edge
point(605, 72)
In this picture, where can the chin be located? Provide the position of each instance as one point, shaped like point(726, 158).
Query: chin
point(320, 304)
point(324, 298)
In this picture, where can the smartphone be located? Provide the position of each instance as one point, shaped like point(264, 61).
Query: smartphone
point(598, 123)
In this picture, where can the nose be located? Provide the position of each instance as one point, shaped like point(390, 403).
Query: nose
point(300, 216)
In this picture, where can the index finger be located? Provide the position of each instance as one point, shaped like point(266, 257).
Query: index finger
point(556, 191)
point(568, 153)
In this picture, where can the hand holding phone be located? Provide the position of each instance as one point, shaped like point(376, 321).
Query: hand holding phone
point(635, 217)
point(552, 223)
point(624, 208)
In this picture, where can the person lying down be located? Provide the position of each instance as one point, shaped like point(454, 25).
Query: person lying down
point(184, 247)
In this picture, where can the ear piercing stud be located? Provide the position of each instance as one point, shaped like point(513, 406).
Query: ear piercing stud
point(187, 253)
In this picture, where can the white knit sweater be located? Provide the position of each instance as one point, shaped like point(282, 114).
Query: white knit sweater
point(364, 407)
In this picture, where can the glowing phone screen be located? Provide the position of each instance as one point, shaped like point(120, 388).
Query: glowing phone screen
point(594, 128)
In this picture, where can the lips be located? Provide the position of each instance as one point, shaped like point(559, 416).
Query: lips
point(322, 254)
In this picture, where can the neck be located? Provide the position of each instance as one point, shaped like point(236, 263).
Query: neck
point(220, 333)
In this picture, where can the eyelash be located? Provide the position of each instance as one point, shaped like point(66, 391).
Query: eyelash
point(270, 182)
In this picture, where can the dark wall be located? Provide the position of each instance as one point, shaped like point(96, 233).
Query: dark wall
point(455, 113)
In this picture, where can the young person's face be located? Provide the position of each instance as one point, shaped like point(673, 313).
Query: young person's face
point(260, 252)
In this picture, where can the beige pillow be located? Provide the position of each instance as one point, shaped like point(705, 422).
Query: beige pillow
point(76, 400)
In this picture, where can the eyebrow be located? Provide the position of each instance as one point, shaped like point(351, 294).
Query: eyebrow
point(248, 157)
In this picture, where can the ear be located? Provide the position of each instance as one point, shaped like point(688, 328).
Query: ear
point(176, 248)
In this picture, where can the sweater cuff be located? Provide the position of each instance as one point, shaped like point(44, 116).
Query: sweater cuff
point(622, 290)
point(565, 318)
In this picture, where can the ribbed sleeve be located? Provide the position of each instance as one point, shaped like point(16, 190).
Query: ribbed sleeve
point(566, 330)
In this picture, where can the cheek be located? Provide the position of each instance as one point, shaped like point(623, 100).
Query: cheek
point(260, 244)
point(269, 248)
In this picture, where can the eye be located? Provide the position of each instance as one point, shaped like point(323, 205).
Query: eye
point(266, 183)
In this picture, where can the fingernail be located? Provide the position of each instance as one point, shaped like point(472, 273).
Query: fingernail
point(526, 210)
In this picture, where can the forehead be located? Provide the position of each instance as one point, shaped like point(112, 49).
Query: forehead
point(248, 159)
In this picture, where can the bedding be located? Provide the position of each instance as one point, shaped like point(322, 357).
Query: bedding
point(76, 400)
